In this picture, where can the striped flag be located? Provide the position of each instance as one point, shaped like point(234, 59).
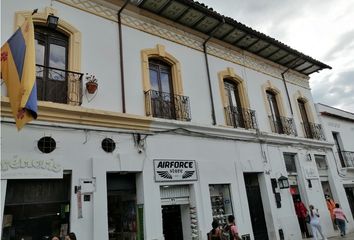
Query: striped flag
point(18, 70)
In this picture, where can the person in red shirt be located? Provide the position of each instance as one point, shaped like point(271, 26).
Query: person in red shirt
point(301, 213)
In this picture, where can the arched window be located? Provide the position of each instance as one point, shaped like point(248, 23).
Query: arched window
point(58, 58)
point(234, 107)
point(305, 119)
point(278, 122)
point(161, 93)
point(235, 101)
point(52, 63)
point(163, 85)
point(275, 117)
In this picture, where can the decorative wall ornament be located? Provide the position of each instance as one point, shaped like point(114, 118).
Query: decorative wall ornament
point(177, 35)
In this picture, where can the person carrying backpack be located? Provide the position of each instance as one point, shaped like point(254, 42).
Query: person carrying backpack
point(230, 231)
point(216, 232)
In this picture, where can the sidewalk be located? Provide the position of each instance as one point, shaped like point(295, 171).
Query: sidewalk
point(349, 236)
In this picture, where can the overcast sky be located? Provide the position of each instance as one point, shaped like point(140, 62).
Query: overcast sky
point(322, 29)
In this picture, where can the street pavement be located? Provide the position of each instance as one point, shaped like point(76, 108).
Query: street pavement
point(349, 236)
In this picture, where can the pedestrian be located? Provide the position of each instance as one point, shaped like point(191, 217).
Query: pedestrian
point(301, 213)
point(70, 236)
point(315, 223)
point(230, 231)
point(216, 232)
point(340, 219)
point(55, 238)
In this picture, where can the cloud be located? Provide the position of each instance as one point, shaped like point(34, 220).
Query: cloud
point(336, 90)
point(344, 44)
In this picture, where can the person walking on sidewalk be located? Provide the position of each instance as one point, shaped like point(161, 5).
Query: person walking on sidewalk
point(340, 219)
point(315, 223)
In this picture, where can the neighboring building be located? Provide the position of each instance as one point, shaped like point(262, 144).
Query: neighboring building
point(339, 130)
point(196, 117)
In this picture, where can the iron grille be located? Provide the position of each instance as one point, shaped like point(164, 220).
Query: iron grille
point(58, 85)
point(282, 125)
point(167, 105)
point(314, 131)
point(348, 158)
point(241, 117)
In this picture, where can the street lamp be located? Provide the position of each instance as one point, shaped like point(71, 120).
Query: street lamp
point(52, 21)
point(283, 182)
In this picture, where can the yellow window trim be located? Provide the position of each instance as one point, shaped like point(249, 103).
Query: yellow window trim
point(160, 53)
point(268, 86)
point(74, 58)
point(299, 96)
point(229, 74)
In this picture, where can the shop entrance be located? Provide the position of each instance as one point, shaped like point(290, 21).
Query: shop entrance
point(36, 209)
point(179, 219)
point(121, 196)
point(172, 222)
point(350, 195)
point(255, 204)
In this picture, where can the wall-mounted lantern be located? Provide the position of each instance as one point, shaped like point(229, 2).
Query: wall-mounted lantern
point(309, 158)
point(283, 182)
point(52, 21)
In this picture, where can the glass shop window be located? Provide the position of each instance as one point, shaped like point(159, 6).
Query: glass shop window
point(290, 164)
point(221, 203)
point(36, 209)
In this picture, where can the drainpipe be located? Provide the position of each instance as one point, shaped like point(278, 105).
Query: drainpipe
point(208, 70)
point(286, 87)
point(121, 53)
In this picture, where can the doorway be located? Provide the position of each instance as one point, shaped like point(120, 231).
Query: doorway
point(37, 208)
point(350, 195)
point(121, 202)
point(172, 222)
point(255, 205)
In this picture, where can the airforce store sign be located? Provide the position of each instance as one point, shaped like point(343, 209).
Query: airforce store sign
point(175, 170)
point(23, 168)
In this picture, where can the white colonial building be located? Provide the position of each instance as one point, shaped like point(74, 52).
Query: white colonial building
point(196, 117)
point(339, 130)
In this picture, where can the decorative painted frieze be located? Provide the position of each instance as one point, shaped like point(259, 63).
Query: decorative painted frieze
point(179, 36)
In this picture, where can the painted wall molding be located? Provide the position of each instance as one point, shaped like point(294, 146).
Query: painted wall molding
point(178, 35)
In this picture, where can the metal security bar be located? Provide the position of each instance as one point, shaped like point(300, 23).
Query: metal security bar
point(167, 105)
point(314, 131)
point(58, 85)
point(240, 117)
point(282, 125)
point(348, 158)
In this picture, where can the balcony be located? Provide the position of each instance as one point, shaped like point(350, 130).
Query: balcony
point(348, 159)
point(240, 117)
point(314, 131)
point(58, 85)
point(167, 105)
point(282, 125)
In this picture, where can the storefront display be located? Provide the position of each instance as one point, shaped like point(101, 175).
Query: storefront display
point(220, 202)
point(37, 208)
point(194, 222)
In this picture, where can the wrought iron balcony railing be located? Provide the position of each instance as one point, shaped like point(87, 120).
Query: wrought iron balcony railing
point(314, 131)
point(167, 105)
point(282, 125)
point(348, 159)
point(241, 117)
point(58, 85)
